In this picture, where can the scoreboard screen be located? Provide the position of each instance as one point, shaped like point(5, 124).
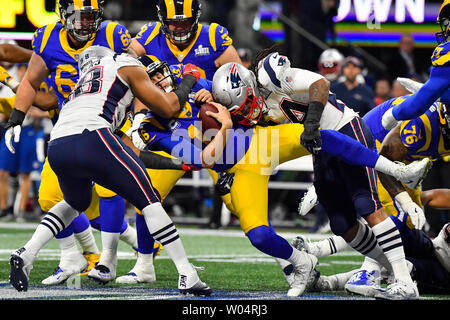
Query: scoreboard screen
point(371, 23)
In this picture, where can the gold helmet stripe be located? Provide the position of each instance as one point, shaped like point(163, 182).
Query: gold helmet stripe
point(187, 8)
point(170, 5)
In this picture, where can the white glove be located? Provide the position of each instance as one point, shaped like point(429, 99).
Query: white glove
point(409, 84)
point(388, 121)
point(412, 209)
point(308, 201)
point(12, 133)
point(133, 132)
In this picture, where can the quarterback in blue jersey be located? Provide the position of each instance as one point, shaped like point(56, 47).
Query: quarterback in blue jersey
point(438, 82)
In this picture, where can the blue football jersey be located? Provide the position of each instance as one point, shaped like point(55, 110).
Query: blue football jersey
point(208, 44)
point(52, 45)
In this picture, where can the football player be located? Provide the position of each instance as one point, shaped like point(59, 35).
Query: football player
point(178, 38)
point(438, 82)
point(87, 125)
point(156, 133)
point(277, 93)
point(56, 49)
point(424, 136)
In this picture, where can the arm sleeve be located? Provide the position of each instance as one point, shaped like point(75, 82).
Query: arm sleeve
point(182, 149)
point(416, 104)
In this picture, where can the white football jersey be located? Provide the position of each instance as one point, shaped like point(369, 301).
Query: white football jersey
point(99, 100)
point(286, 94)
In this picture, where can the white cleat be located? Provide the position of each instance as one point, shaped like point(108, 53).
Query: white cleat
point(399, 290)
point(364, 283)
point(102, 274)
point(137, 275)
point(413, 174)
point(66, 269)
point(302, 274)
point(21, 266)
point(190, 283)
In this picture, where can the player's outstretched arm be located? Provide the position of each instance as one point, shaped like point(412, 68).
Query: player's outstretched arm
point(436, 198)
point(153, 160)
point(14, 53)
point(159, 102)
point(35, 74)
point(416, 104)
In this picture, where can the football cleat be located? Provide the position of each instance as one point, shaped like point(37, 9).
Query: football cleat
point(308, 201)
point(135, 276)
point(20, 270)
point(93, 259)
point(364, 283)
point(399, 290)
point(190, 283)
point(413, 174)
point(101, 274)
point(302, 274)
point(66, 270)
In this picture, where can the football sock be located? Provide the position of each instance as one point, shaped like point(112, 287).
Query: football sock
point(87, 241)
point(386, 166)
point(390, 241)
point(110, 241)
point(163, 230)
point(112, 213)
point(80, 223)
point(129, 235)
point(53, 222)
point(83, 234)
point(144, 238)
point(329, 246)
point(365, 242)
point(267, 241)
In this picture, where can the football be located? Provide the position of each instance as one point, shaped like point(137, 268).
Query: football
point(207, 121)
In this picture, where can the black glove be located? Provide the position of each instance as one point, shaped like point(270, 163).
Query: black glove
point(311, 138)
point(224, 183)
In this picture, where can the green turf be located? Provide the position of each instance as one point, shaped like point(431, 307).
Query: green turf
point(231, 263)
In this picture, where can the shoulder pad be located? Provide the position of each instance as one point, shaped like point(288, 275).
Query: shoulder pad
point(41, 37)
point(271, 69)
point(148, 32)
point(413, 134)
point(117, 36)
point(126, 60)
point(441, 55)
point(218, 37)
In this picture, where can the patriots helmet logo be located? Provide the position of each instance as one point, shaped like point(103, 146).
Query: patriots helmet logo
point(235, 79)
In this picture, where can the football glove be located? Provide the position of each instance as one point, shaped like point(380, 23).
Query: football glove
point(7, 79)
point(13, 129)
point(133, 132)
point(310, 137)
point(414, 211)
point(224, 183)
point(191, 70)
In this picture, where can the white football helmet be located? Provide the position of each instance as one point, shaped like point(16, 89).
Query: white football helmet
point(235, 87)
